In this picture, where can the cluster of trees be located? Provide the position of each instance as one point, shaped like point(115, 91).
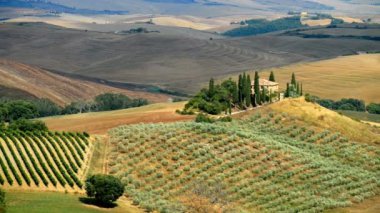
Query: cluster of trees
point(23, 125)
point(261, 26)
point(229, 94)
point(293, 89)
point(350, 104)
point(11, 110)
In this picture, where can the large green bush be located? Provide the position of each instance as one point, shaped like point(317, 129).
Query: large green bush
point(373, 108)
point(104, 188)
point(27, 125)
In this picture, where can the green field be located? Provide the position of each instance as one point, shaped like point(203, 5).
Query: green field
point(363, 116)
point(51, 202)
point(265, 163)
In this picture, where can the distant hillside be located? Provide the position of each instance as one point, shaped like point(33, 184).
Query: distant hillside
point(55, 8)
point(214, 8)
point(23, 81)
point(177, 59)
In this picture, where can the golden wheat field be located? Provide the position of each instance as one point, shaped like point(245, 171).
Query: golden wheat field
point(344, 77)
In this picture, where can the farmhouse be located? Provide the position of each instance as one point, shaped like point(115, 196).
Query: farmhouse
point(270, 86)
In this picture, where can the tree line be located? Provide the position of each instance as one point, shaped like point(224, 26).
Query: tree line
point(349, 104)
point(11, 110)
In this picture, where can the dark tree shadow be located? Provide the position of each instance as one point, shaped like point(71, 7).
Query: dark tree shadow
point(93, 202)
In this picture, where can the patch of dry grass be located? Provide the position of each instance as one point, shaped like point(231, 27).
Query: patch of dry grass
point(315, 115)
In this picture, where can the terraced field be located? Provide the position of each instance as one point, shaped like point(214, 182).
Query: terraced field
point(265, 163)
point(44, 161)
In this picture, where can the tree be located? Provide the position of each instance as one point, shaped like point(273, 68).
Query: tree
point(240, 86)
point(19, 109)
point(298, 88)
point(248, 91)
point(287, 92)
point(27, 125)
point(301, 89)
point(373, 108)
point(104, 188)
point(232, 88)
point(243, 88)
point(46, 107)
point(294, 82)
point(211, 87)
point(257, 88)
point(271, 77)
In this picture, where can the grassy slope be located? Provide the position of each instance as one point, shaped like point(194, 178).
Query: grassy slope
point(351, 76)
point(101, 122)
point(50, 202)
point(323, 118)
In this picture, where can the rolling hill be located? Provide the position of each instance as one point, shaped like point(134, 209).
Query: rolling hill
point(170, 59)
point(207, 8)
point(284, 156)
point(269, 161)
point(23, 81)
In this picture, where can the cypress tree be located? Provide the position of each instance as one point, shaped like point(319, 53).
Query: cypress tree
point(243, 88)
point(263, 96)
point(271, 77)
point(301, 89)
point(211, 87)
point(257, 88)
point(240, 89)
point(298, 89)
point(235, 93)
point(294, 82)
point(248, 91)
point(287, 93)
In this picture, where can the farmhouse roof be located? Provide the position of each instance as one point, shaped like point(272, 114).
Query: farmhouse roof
point(264, 82)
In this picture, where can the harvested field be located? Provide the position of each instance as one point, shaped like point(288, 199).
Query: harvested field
point(176, 58)
point(30, 81)
point(344, 77)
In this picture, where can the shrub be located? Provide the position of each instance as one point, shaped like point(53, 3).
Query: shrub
point(373, 108)
point(203, 118)
point(225, 119)
point(27, 125)
point(104, 188)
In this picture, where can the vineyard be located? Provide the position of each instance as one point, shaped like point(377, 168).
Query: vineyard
point(43, 160)
point(266, 163)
